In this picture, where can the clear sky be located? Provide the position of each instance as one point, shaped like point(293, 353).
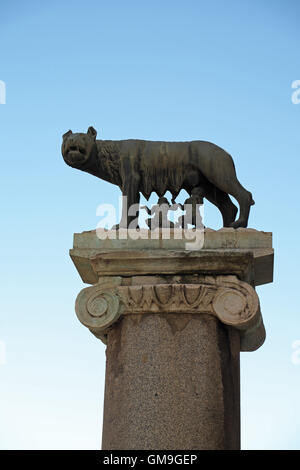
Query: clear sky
point(158, 70)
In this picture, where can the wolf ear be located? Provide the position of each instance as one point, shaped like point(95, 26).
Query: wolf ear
point(66, 134)
point(92, 132)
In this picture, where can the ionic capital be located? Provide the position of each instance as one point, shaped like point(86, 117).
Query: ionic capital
point(233, 302)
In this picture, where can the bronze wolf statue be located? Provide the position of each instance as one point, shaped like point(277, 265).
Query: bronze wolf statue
point(141, 166)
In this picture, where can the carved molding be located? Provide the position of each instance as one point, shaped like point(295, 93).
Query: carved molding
point(233, 302)
point(167, 298)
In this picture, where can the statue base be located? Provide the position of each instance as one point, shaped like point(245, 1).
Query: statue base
point(174, 321)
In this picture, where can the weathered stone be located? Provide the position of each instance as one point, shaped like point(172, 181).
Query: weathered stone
point(233, 302)
point(172, 382)
point(230, 251)
point(174, 321)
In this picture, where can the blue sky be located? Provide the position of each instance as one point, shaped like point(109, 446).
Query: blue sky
point(172, 70)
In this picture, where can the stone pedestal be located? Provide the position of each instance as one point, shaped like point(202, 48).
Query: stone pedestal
point(172, 382)
point(174, 322)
